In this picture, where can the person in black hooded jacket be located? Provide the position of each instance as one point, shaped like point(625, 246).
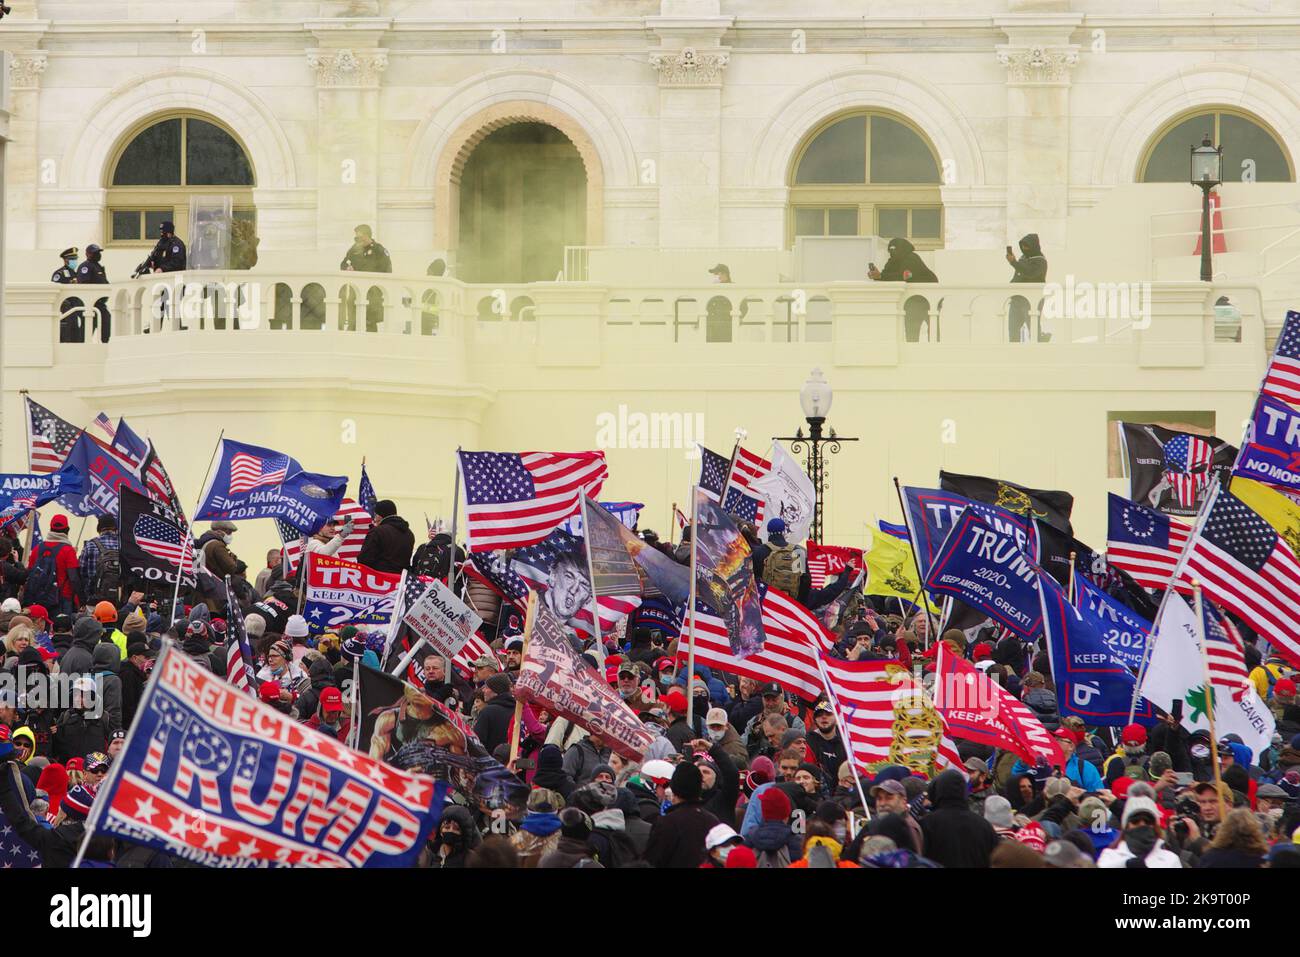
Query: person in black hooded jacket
point(955, 836)
point(1030, 267)
point(389, 542)
point(321, 673)
point(906, 265)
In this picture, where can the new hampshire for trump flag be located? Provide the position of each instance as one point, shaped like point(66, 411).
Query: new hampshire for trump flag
point(212, 774)
point(254, 482)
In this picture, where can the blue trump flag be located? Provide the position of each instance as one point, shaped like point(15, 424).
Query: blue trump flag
point(21, 492)
point(254, 482)
point(932, 514)
point(1124, 630)
point(215, 776)
point(986, 569)
point(126, 441)
point(1272, 455)
point(1091, 683)
point(102, 471)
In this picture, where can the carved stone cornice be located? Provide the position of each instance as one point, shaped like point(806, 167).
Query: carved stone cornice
point(690, 67)
point(1038, 63)
point(345, 67)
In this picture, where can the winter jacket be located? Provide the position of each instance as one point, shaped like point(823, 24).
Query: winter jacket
point(494, 722)
point(677, 838)
point(771, 837)
point(830, 753)
point(76, 735)
point(904, 265)
point(720, 800)
point(610, 840)
point(569, 852)
point(388, 546)
point(1158, 856)
point(106, 660)
point(321, 674)
point(1043, 704)
point(581, 760)
point(1032, 266)
point(954, 835)
point(1221, 857)
point(133, 682)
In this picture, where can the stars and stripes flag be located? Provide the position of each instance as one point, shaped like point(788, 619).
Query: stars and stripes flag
point(164, 541)
point(793, 637)
point(294, 542)
point(1143, 542)
point(50, 438)
point(1249, 569)
point(887, 718)
point(1187, 466)
point(1282, 381)
point(15, 853)
point(105, 425)
point(366, 497)
point(1226, 652)
point(713, 473)
point(827, 561)
point(239, 657)
point(516, 499)
point(743, 499)
point(248, 471)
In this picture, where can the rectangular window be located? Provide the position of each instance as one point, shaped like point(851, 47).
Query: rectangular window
point(842, 222)
point(1198, 423)
point(809, 222)
point(891, 222)
point(137, 225)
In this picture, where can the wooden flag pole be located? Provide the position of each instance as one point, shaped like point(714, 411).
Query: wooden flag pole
point(1209, 701)
point(189, 522)
point(672, 527)
point(690, 629)
point(1071, 592)
point(844, 734)
point(916, 561)
point(517, 730)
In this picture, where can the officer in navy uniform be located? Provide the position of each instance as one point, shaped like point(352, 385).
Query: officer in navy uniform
point(71, 320)
point(366, 255)
point(91, 273)
point(168, 256)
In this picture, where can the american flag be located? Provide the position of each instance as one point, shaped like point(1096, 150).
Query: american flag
point(105, 425)
point(742, 499)
point(51, 438)
point(713, 473)
point(515, 499)
point(870, 695)
point(366, 492)
point(1143, 542)
point(239, 659)
point(248, 472)
point(164, 541)
point(1244, 565)
point(1187, 466)
point(793, 638)
point(1225, 651)
point(1283, 378)
point(15, 853)
point(294, 542)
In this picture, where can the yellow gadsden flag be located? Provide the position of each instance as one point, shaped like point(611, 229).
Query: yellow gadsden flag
point(891, 569)
point(1272, 506)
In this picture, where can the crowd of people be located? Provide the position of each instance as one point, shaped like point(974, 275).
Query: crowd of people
point(739, 774)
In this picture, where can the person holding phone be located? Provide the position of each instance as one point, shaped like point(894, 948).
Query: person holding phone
point(1030, 267)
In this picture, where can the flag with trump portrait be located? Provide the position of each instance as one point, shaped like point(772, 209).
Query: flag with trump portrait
point(212, 775)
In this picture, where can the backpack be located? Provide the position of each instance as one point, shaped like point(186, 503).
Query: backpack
point(42, 586)
point(431, 560)
point(783, 568)
point(108, 574)
point(778, 858)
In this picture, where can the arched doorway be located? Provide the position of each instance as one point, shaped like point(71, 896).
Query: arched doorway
point(522, 199)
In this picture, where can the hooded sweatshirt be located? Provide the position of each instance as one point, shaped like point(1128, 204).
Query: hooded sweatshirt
point(954, 835)
point(1032, 266)
point(905, 265)
point(106, 661)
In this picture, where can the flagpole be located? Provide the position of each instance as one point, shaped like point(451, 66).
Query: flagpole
point(599, 648)
point(106, 786)
point(844, 734)
point(394, 623)
point(916, 559)
point(1209, 701)
point(455, 514)
point(516, 726)
point(722, 497)
point(690, 628)
point(31, 516)
point(354, 732)
point(672, 523)
point(1173, 578)
point(408, 657)
point(189, 523)
point(1071, 592)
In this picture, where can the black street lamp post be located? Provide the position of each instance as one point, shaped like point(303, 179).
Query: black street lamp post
point(1207, 173)
point(815, 398)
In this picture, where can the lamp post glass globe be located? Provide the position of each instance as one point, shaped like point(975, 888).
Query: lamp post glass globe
point(815, 396)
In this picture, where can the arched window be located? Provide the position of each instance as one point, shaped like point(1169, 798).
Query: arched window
point(161, 165)
point(1251, 151)
point(867, 174)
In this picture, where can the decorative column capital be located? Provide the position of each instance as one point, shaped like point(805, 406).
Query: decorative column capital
point(690, 67)
point(1039, 63)
point(25, 69)
point(348, 68)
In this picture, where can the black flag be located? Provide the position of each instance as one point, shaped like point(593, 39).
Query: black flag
point(1171, 471)
point(154, 543)
point(1045, 505)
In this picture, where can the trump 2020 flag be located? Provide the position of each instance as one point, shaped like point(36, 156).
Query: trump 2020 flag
point(340, 592)
point(253, 482)
point(788, 494)
point(515, 499)
point(932, 514)
point(1091, 683)
point(1176, 672)
point(986, 569)
point(1271, 453)
point(102, 470)
point(1124, 630)
point(213, 774)
point(976, 708)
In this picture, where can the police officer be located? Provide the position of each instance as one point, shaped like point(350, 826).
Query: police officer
point(71, 320)
point(91, 273)
point(169, 253)
point(366, 255)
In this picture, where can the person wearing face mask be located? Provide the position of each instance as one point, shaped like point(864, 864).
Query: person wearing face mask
point(328, 717)
point(91, 273)
point(217, 560)
point(1141, 842)
point(455, 839)
point(72, 319)
point(722, 735)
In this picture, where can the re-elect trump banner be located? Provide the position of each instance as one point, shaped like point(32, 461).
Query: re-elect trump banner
point(1271, 453)
point(340, 592)
point(987, 569)
point(214, 774)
